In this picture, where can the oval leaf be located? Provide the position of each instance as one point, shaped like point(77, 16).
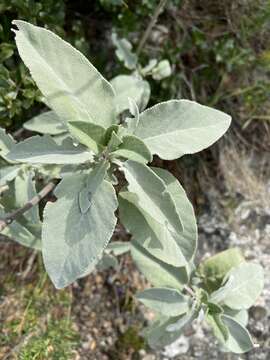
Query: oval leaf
point(174, 128)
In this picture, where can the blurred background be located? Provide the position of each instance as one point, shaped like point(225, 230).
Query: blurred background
point(219, 54)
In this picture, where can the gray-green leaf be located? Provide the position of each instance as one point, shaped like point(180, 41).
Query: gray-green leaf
point(242, 286)
point(129, 86)
point(90, 135)
point(81, 237)
point(124, 52)
point(72, 86)
point(174, 128)
point(239, 340)
point(167, 301)
point(156, 271)
point(133, 148)
point(44, 150)
point(46, 123)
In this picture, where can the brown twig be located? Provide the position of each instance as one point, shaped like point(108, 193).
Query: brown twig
point(34, 201)
point(152, 23)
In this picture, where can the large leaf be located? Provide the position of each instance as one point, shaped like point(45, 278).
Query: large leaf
point(72, 86)
point(157, 272)
point(151, 197)
point(166, 301)
point(81, 236)
point(174, 128)
point(242, 286)
point(239, 340)
point(214, 269)
point(90, 135)
point(128, 86)
point(44, 150)
point(46, 123)
point(133, 148)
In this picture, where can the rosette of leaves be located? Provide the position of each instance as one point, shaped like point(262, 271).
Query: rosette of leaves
point(87, 138)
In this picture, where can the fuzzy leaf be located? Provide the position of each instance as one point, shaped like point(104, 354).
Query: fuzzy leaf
point(46, 123)
point(169, 302)
point(242, 286)
point(174, 128)
point(133, 148)
point(44, 150)
point(239, 340)
point(149, 194)
point(157, 272)
point(6, 142)
point(129, 86)
point(81, 237)
point(118, 247)
point(8, 173)
point(124, 52)
point(72, 86)
point(213, 269)
point(88, 134)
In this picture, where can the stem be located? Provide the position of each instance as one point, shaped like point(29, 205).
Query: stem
point(34, 201)
point(189, 291)
point(152, 23)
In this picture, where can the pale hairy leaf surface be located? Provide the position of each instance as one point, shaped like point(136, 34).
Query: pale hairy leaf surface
point(162, 70)
point(8, 173)
point(124, 52)
point(6, 142)
point(174, 128)
point(72, 86)
point(220, 330)
point(133, 148)
point(44, 150)
point(151, 197)
point(214, 269)
point(239, 340)
point(46, 123)
point(81, 237)
point(166, 301)
point(188, 238)
point(157, 335)
point(147, 231)
point(129, 86)
point(90, 135)
point(157, 272)
point(240, 316)
point(242, 286)
point(25, 190)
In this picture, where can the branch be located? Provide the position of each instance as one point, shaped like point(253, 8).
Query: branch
point(152, 23)
point(34, 201)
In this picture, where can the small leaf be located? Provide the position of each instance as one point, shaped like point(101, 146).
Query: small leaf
point(174, 128)
point(213, 269)
point(44, 150)
point(169, 302)
point(239, 340)
point(6, 142)
point(90, 135)
point(220, 330)
point(81, 237)
point(157, 272)
point(8, 173)
point(46, 123)
point(72, 86)
point(242, 286)
point(129, 86)
point(124, 52)
point(133, 148)
point(162, 70)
